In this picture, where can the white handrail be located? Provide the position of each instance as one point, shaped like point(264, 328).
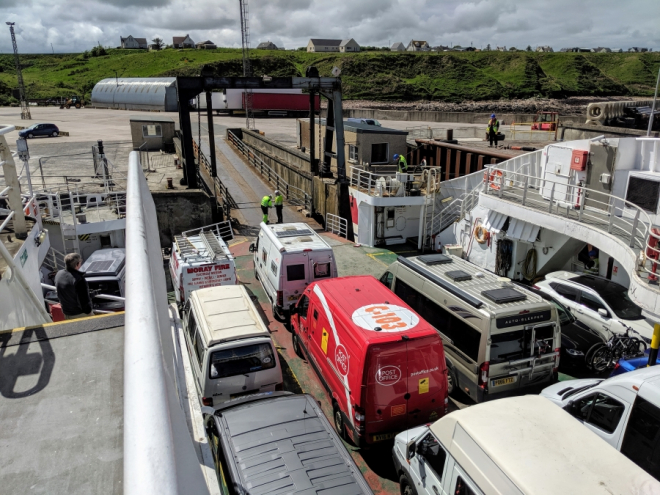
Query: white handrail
point(153, 461)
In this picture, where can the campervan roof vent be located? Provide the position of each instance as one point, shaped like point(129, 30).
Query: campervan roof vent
point(294, 233)
point(434, 259)
point(506, 295)
point(458, 275)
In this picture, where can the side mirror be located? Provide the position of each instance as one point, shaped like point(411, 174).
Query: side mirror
point(411, 449)
point(252, 248)
point(603, 312)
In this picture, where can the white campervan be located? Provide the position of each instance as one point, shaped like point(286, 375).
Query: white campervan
point(623, 410)
point(287, 258)
point(230, 348)
point(499, 339)
point(514, 446)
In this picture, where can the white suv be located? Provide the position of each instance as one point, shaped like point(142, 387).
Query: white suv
point(601, 304)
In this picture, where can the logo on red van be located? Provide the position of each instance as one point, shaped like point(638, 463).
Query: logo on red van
point(388, 375)
point(385, 318)
point(341, 359)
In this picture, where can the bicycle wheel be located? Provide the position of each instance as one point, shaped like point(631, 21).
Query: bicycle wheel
point(601, 359)
point(590, 352)
point(635, 347)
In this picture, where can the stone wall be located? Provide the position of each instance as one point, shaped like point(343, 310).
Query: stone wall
point(177, 211)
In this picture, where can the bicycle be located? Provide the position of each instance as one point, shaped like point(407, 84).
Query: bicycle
point(605, 355)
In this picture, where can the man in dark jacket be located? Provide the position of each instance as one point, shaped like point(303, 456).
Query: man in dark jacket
point(72, 289)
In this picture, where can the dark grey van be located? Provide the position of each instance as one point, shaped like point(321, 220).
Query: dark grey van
point(277, 442)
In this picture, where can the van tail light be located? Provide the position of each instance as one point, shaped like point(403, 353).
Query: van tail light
point(483, 375)
point(555, 369)
point(207, 401)
point(359, 420)
point(280, 298)
point(279, 387)
point(616, 366)
point(536, 287)
point(307, 250)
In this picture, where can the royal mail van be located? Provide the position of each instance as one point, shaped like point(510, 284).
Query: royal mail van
point(381, 363)
point(287, 258)
point(200, 259)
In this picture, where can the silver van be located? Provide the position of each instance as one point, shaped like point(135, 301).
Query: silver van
point(499, 339)
point(230, 348)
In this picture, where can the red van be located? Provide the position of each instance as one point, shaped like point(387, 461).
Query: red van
point(382, 364)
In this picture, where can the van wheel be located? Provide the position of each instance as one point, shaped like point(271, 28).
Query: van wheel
point(406, 487)
point(256, 273)
point(296, 346)
point(278, 316)
point(452, 382)
point(339, 422)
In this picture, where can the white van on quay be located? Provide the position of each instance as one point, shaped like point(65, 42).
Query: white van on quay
point(623, 410)
point(231, 351)
point(287, 258)
point(514, 446)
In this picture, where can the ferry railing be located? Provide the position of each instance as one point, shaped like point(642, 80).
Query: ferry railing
point(336, 225)
point(221, 229)
point(295, 195)
point(159, 456)
point(600, 211)
point(385, 185)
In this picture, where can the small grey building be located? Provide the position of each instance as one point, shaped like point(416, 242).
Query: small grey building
point(152, 132)
point(267, 45)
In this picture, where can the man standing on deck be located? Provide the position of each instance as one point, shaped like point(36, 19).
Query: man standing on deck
point(492, 130)
point(72, 289)
point(279, 205)
point(266, 203)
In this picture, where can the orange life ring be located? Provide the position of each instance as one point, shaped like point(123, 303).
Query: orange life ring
point(491, 179)
point(481, 234)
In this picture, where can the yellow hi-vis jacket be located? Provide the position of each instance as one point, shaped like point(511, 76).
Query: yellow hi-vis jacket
point(279, 200)
point(266, 201)
point(495, 126)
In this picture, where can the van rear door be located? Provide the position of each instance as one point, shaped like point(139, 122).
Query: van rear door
point(295, 273)
point(521, 357)
point(406, 386)
point(427, 380)
point(321, 265)
point(384, 398)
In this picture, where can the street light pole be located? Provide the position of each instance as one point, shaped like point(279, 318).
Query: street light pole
point(25, 110)
point(655, 96)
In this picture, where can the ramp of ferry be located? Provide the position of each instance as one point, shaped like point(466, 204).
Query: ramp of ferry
point(61, 407)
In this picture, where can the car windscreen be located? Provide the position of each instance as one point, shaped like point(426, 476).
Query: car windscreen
point(510, 346)
point(241, 360)
point(621, 304)
point(614, 295)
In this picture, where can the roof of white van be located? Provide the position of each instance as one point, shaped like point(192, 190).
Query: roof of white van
point(480, 281)
point(295, 237)
point(540, 448)
point(227, 313)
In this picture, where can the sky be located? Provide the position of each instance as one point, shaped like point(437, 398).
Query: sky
point(69, 26)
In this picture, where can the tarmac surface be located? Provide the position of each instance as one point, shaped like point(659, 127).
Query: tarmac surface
point(61, 407)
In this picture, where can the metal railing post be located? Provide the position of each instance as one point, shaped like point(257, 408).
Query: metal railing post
point(634, 228)
point(501, 185)
point(584, 200)
point(552, 197)
point(611, 222)
point(524, 197)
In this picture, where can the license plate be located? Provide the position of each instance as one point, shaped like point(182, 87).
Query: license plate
point(503, 381)
point(383, 436)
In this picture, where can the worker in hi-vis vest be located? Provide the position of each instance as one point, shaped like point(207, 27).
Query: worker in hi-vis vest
point(492, 129)
point(400, 160)
point(266, 203)
point(279, 205)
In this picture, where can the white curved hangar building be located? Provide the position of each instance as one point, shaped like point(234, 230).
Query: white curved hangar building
point(136, 93)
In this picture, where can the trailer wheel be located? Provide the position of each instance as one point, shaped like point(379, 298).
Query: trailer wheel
point(296, 346)
point(452, 382)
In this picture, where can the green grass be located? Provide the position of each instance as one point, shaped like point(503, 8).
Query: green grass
point(366, 75)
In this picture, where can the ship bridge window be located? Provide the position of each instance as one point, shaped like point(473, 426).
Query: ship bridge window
point(643, 193)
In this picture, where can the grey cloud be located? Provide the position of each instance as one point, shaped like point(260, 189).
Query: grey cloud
point(371, 22)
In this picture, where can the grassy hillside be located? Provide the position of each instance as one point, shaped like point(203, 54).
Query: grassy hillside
point(367, 75)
